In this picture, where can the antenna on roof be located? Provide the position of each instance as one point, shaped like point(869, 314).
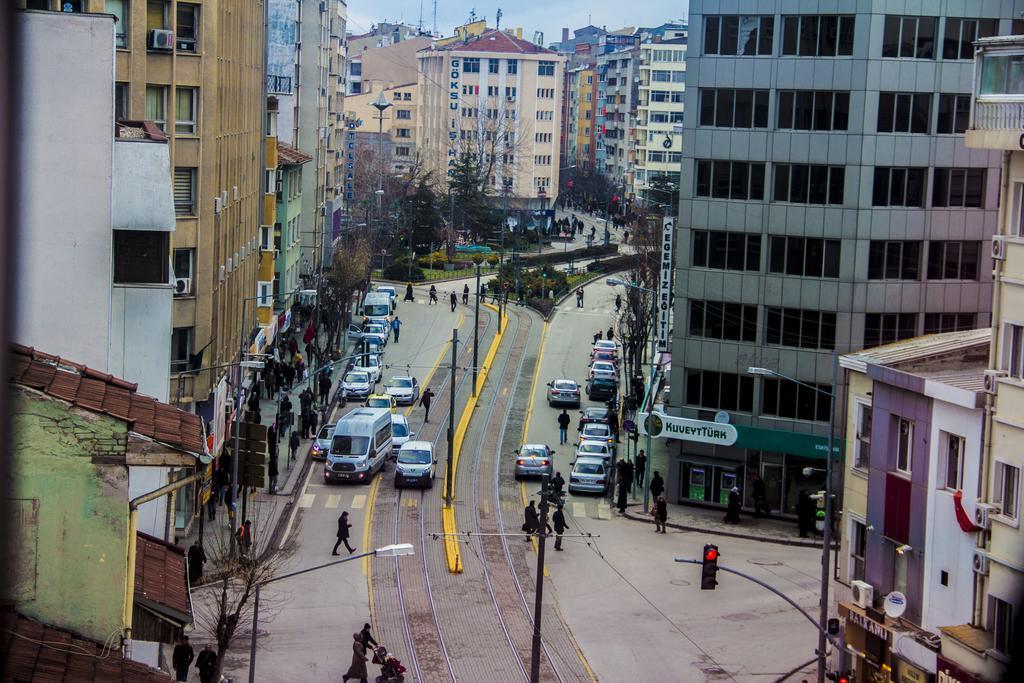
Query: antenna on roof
point(421, 17)
point(435, 20)
point(497, 20)
point(472, 14)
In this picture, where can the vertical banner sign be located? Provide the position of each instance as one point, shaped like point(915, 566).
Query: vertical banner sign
point(665, 283)
point(453, 106)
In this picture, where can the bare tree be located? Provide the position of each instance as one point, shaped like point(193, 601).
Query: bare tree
point(350, 272)
point(635, 324)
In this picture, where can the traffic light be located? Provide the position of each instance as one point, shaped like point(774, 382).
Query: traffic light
point(709, 569)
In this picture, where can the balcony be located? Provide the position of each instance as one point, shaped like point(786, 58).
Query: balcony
point(997, 104)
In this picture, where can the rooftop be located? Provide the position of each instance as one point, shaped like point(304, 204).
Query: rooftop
point(139, 130)
point(494, 40)
point(918, 352)
point(103, 393)
point(289, 156)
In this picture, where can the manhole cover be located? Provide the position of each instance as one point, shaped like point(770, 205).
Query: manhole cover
point(680, 582)
point(766, 563)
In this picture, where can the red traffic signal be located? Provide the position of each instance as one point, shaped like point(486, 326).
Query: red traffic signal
point(710, 553)
point(709, 570)
point(843, 679)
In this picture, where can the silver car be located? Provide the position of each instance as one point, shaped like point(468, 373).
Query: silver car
point(564, 392)
point(322, 443)
point(534, 460)
point(594, 449)
point(589, 475)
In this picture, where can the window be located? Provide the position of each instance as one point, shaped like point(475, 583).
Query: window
point(783, 398)
point(510, 93)
point(738, 35)
point(730, 179)
point(181, 348)
point(140, 256)
point(512, 66)
point(813, 110)
point(471, 65)
point(961, 33)
point(1014, 343)
point(948, 322)
point(404, 114)
point(545, 68)
point(1000, 623)
point(801, 184)
point(804, 256)
point(862, 455)
point(1000, 74)
point(156, 105)
point(187, 32)
point(723, 320)
point(669, 117)
point(492, 91)
point(899, 187)
point(953, 260)
point(719, 390)
point(401, 151)
point(185, 191)
point(886, 328)
point(355, 68)
point(156, 15)
point(542, 160)
point(672, 96)
point(726, 108)
point(545, 115)
point(904, 430)
point(726, 250)
point(1007, 489)
point(817, 35)
point(800, 328)
point(900, 112)
point(954, 114)
point(959, 187)
point(858, 550)
point(909, 37)
point(183, 263)
point(121, 12)
point(890, 260)
point(403, 132)
point(492, 65)
point(186, 104)
point(951, 472)
point(120, 101)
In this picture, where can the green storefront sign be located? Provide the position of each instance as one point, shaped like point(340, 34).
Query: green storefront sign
point(792, 443)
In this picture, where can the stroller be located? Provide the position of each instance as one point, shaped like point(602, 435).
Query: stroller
point(391, 670)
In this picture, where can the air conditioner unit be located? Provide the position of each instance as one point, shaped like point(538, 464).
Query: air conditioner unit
point(998, 248)
point(223, 198)
point(992, 380)
point(230, 264)
point(980, 562)
point(161, 39)
point(182, 286)
point(983, 514)
point(235, 192)
point(220, 274)
point(218, 205)
point(863, 593)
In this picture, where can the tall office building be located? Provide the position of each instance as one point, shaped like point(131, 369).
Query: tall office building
point(828, 204)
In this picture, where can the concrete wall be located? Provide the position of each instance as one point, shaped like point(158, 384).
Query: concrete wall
point(142, 194)
point(73, 513)
point(64, 211)
point(855, 481)
point(152, 516)
point(140, 337)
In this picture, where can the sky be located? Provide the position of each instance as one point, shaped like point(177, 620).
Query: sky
point(530, 15)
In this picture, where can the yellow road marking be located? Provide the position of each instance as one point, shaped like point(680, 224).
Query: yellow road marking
point(306, 501)
point(487, 507)
point(333, 501)
point(359, 501)
point(367, 525)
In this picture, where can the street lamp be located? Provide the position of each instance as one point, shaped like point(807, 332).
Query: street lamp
point(395, 550)
point(826, 533)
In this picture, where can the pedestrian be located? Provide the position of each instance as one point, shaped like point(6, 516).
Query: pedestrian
point(660, 514)
point(433, 295)
point(597, 337)
point(182, 658)
point(396, 327)
point(610, 335)
point(613, 423)
point(563, 426)
point(805, 509)
point(454, 300)
point(465, 294)
point(761, 497)
point(365, 638)
point(622, 496)
point(244, 534)
point(314, 419)
point(358, 667)
point(343, 527)
point(732, 512)
point(206, 662)
point(196, 560)
point(425, 402)
point(641, 469)
point(559, 519)
point(268, 383)
point(657, 485)
point(293, 444)
point(531, 521)
point(579, 297)
point(557, 483)
point(324, 384)
point(408, 292)
point(289, 376)
point(627, 470)
point(272, 473)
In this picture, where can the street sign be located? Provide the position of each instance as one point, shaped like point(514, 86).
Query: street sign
point(659, 425)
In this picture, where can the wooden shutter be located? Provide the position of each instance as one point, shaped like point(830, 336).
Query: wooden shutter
point(184, 191)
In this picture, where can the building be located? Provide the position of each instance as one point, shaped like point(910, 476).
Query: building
point(618, 87)
point(586, 38)
point(287, 237)
point(836, 208)
point(383, 34)
point(580, 100)
point(659, 117)
point(497, 97)
point(392, 134)
point(915, 438)
point(384, 66)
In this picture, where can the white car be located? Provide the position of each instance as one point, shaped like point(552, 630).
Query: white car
point(405, 390)
point(594, 449)
point(415, 464)
point(370, 363)
point(399, 431)
point(597, 431)
point(376, 331)
point(390, 291)
point(602, 366)
point(606, 345)
point(356, 384)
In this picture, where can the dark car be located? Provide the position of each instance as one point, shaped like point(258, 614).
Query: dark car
point(601, 388)
point(600, 414)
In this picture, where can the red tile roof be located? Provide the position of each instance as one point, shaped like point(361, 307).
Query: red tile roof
point(160, 576)
point(33, 651)
point(104, 393)
point(290, 156)
point(494, 40)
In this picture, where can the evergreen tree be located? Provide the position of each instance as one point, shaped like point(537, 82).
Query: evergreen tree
point(471, 209)
point(424, 215)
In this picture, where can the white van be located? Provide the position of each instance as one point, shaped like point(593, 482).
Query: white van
point(377, 305)
point(360, 446)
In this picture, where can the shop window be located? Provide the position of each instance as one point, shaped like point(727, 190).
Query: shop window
point(862, 454)
point(804, 256)
point(140, 257)
point(892, 260)
point(904, 429)
point(951, 469)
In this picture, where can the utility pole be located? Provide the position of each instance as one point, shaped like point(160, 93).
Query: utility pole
point(451, 420)
point(476, 324)
point(232, 515)
point(539, 591)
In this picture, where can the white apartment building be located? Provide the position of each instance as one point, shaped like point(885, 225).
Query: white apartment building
point(659, 139)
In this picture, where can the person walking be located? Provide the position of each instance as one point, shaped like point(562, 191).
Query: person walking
point(433, 295)
point(206, 662)
point(465, 294)
point(425, 399)
point(343, 527)
point(761, 497)
point(579, 297)
point(408, 292)
point(324, 385)
point(272, 473)
point(563, 426)
point(314, 419)
point(657, 484)
point(610, 335)
point(559, 520)
point(597, 337)
point(627, 470)
point(293, 444)
point(621, 503)
point(396, 327)
point(732, 513)
point(196, 560)
point(557, 484)
point(365, 638)
point(244, 535)
point(641, 469)
point(660, 514)
point(357, 669)
point(453, 300)
point(618, 302)
point(182, 658)
point(531, 521)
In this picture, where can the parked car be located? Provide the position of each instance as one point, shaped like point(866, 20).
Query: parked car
point(385, 401)
point(360, 445)
point(588, 475)
point(607, 356)
point(601, 414)
point(564, 392)
point(415, 465)
point(400, 432)
point(594, 449)
point(595, 431)
point(606, 345)
point(534, 460)
point(603, 366)
point(405, 390)
point(322, 442)
point(369, 363)
point(390, 291)
point(355, 384)
point(376, 331)
point(602, 388)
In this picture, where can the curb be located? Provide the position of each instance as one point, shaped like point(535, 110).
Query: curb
point(731, 534)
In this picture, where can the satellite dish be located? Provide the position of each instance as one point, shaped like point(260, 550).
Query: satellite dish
point(895, 605)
